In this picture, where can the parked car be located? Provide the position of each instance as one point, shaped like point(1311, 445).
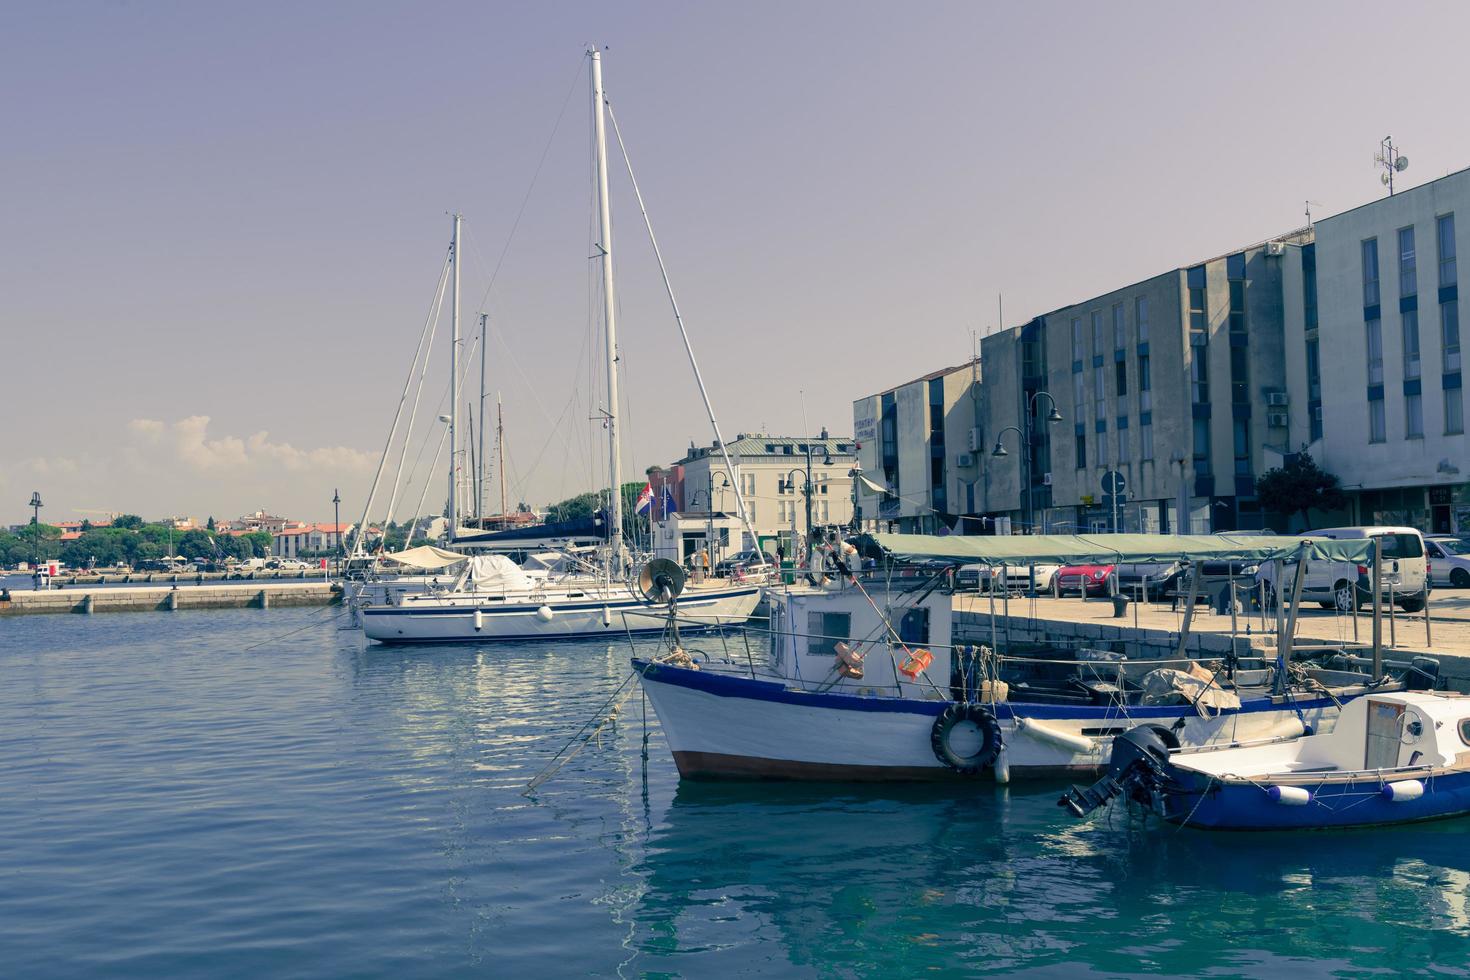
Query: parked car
point(1346, 586)
point(290, 564)
point(740, 561)
point(976, 578)
point(1449, 559)
point(1086, 579)
point(1158, 578)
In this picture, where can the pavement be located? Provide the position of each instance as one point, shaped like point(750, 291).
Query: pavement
point(1449, 623)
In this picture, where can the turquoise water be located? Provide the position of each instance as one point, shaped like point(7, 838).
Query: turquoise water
point(186, 795)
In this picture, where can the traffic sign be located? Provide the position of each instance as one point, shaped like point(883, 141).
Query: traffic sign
point(1113, 483)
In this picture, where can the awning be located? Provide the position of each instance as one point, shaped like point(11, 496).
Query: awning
point(425, 557)
point(1064, 549)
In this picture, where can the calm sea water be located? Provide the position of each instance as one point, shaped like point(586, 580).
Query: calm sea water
point(195, 794)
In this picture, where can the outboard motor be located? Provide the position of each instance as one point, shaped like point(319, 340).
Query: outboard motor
point(1422, 675)
point(1138, 767)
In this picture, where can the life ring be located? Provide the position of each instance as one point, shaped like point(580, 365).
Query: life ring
point(984, 722)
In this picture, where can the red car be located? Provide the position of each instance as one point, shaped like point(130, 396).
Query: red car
point(1086, 579)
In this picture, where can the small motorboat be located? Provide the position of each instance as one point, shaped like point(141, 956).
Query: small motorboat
point(1391, 758)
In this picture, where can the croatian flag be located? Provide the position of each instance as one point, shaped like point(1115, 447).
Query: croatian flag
point(645, 499)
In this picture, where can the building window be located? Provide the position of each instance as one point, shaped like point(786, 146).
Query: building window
point(1242, 433)
point(1414, 416)
point(1146, 439)
point(825, 630)
point(1198, 320)
point(1408, 275)
point(1202, 447)
point(1097, 333)
point(1076, 338)
point(1122, 444)
point(1120, 330)
point(1454, 411)
point(1120, 381)
point(1449, 335)
point(1082, 450)
point(1411, 344)
point(1099, 392)
point(1237, 306)
point(1375, 351)
point(1314, 390)
point(1145, 385)
point(1199, 383)
point(1444, 227)
point(1309, 286)
point(1140, 317)
point(1079, 395)
point(1377, 429)
point(1370, 272)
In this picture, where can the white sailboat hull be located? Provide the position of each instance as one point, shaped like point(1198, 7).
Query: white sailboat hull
point(724, 726)
point(469, 618)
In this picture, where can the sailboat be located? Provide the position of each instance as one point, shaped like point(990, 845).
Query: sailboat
point(492, 598)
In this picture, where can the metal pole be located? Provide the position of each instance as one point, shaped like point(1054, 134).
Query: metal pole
point(453, 513)
point(1284, 641)
point(480, 470)
point(337, 526)
point(609, 314)
point(1377, 608)
point(1188, 611)
point(500, 449)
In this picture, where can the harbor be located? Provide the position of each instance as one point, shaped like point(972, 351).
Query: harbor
point(633, 507)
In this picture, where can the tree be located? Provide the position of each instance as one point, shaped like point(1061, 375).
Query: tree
point(210, 523)
point(128, 522)
point(1300, 487)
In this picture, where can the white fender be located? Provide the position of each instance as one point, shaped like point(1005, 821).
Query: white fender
point(1053, 736)
point(479, 620)
point(544, 614)
point(1289, 795)
point(1002, 765)
point(1402, 791)
point(606, 617)
point(1287, 728)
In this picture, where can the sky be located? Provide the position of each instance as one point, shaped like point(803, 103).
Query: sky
point(224, 225)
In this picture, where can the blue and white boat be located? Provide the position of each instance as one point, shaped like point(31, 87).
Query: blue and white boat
point(857, 682)
point(1391, 758)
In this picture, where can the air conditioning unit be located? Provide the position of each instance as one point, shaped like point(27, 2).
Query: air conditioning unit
point(1276, 420)
point(1276, 399)
point(1046, 479)
point(974, 440)
point(964, 460)
point(1275, 248)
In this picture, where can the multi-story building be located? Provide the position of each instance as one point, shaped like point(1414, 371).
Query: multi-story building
point(771, 480)
point(1382, 324)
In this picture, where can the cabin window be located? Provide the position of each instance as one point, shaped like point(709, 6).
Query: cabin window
point(914, 626)
point(826, 630)
point(1465, 731)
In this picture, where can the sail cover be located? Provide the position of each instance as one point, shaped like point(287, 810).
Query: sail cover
point(497, 573)
point(1063, 549)
point(425, 558)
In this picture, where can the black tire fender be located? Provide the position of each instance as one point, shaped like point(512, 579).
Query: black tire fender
point(944, 726)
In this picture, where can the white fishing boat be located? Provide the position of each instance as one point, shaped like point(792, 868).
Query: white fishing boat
point(493, 599)
point(860, 683)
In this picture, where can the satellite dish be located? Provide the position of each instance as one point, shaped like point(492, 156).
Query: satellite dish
point(661, 580)
point(1401, 164)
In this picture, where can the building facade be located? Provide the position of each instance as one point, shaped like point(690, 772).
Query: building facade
point(1383, 325)
point(771, 481)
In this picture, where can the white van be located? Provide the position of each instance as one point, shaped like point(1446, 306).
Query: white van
point(1345, 585)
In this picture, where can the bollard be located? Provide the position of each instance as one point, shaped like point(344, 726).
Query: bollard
point(87, 602)
point(173, 600)
point(265, 600)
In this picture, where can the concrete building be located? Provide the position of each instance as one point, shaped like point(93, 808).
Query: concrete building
point(1384, 331)
point(771, 475)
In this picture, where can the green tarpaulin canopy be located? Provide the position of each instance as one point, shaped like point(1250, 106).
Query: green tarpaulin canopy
point(1073, 549)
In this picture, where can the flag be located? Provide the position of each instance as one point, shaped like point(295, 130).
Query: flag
point(669, 506)
point(645, 499)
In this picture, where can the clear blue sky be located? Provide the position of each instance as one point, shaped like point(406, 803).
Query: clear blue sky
point(237, 212)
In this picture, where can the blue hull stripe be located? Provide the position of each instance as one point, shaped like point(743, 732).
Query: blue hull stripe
point(727, 686)
point(610, 633)
point(1355, 803)
point(508, 610)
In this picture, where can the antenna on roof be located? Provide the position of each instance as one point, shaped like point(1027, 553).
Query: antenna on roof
point(1309, 211)
point(1391, 161)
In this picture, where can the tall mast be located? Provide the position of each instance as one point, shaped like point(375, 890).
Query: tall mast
point(614, 464)
point(500, 450)
point(454, 389)
point(480, 470)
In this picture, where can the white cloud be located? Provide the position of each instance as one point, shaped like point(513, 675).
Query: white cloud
point(188, 440)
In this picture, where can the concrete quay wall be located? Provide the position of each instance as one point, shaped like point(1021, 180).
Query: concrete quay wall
point(167, 599)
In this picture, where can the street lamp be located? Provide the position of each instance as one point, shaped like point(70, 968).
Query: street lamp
point(787, 484)
point(36, 506)
point(1026, 437)
point(337, 526)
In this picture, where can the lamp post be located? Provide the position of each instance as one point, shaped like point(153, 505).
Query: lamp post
point(36, 506)
point(337, 526)
point(855, 524)
point(1027, 436)
point(787, 485)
